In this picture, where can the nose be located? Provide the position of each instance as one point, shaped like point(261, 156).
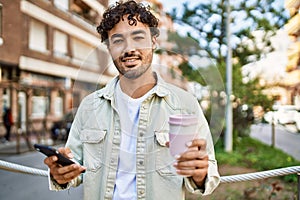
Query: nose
point(129, 46)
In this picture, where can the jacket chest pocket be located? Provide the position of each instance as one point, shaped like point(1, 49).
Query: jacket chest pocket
point(93, 144)
point(164, 160)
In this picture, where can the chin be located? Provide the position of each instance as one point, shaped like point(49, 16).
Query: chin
point(132, 76)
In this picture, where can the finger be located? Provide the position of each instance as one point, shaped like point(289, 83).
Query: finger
point(66, 152)
point(200, 143)
point(193, 164)
point(69, 168)
point(66, 174)
point(193, 155)
point(199, 173)
point(193, 148)
point(50, 160)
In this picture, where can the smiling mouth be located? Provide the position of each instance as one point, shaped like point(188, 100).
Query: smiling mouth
point(130, 62)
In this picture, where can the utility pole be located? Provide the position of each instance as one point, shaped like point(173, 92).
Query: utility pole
point(228, 133)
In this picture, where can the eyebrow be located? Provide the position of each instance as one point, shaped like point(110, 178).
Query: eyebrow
point(138, 32)
point(116, 35)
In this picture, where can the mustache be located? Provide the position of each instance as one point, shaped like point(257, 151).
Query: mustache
point(129, 54)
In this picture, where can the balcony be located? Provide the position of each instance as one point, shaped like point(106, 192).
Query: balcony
point(293, 56)
point(293, 25)
point(292, 6)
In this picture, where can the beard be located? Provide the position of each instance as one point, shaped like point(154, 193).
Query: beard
point(134, 72)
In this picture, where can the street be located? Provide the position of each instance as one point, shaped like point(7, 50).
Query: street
point(16, 186)
point(284, 140)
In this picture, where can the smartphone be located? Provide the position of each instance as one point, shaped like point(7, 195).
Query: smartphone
point(50, 151)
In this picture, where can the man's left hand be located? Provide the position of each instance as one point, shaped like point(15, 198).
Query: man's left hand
point(193, 162)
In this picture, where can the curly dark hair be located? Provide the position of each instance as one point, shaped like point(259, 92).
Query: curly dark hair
point(135, 12)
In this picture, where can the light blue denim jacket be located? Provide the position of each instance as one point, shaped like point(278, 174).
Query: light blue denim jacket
point(95, 142)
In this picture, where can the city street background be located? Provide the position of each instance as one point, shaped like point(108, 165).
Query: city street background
point(51, 57)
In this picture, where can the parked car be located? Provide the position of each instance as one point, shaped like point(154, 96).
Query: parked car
point(284, 115)
point(61, 128)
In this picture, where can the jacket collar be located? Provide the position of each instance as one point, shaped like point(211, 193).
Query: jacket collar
point(108, 91)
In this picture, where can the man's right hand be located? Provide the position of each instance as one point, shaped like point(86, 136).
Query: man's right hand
point(64, 174)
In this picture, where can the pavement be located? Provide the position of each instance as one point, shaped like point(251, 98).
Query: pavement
point(17, 146)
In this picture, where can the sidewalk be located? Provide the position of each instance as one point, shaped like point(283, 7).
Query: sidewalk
point(12, 147)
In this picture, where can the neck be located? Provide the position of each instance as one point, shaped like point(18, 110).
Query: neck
point(138, 87)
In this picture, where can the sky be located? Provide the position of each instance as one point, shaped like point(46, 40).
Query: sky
point(170, 4)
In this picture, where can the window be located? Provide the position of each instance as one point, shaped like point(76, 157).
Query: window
point(1, 19)
point(37, 36)
point(60, 44)
point(58, 106)
point(62, 4)
point(84, 54)
point(6, 97)
point(39, 106)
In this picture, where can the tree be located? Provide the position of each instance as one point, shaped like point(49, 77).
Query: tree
point(207, 20)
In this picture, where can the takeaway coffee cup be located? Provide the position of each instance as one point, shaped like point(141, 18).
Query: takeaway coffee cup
point(183, 129)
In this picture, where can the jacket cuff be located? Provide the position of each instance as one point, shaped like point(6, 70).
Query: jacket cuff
point(209, 186)
point(192, 187)
point(54, 186)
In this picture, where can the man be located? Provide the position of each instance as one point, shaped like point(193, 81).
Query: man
point(120, 133)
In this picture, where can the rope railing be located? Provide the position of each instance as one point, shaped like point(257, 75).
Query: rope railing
point(260, 175)
point(22, 169)
point(224, 179)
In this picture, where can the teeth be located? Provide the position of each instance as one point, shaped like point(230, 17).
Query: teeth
point(130, 60)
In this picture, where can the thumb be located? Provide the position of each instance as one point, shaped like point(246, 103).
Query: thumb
point(66, 152)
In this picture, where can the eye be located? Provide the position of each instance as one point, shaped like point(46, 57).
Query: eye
point(138, 38)
point(117, 41)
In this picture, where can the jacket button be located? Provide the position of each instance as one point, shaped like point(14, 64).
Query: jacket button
point(141, 191)
point(141, 162)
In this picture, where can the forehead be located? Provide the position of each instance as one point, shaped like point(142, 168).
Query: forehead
point(123, 28)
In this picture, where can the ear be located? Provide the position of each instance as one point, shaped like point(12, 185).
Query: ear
point(154, 43)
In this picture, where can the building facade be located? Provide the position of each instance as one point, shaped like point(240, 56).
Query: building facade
point(50, 57)
point(292, 81)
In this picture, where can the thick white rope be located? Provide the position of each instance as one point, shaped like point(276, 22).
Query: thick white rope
point(260, 175)
point(224, 179)
point(22, 169)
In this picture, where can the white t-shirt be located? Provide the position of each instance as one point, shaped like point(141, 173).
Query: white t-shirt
point(128, 109)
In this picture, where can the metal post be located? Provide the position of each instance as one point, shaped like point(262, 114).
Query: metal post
point(228, 133)
point(273, 132)
point(18, 149)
